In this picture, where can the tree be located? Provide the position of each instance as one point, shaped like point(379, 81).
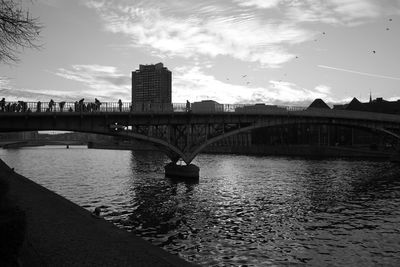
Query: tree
point(18, 30)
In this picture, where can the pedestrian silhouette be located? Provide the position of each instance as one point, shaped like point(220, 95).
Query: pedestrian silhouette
point(187, 106)
point(2, 104)
point(51, 104)
point(61, 104)
point(120, 105)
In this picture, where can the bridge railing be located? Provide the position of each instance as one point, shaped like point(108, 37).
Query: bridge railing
point(158, 108)
point(80, 106)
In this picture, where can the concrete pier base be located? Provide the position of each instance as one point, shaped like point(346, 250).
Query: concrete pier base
point(190, 171)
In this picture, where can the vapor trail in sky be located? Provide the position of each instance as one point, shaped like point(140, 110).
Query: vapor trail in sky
point(360, 73)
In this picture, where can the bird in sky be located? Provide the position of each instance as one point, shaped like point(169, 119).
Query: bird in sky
point(373, 51)
point(244, 76)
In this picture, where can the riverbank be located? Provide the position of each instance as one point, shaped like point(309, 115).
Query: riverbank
point(61, 233)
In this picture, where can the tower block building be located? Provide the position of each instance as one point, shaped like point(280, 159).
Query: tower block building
point(151, 88)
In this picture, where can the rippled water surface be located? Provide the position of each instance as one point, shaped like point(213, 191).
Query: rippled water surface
point(249, 211)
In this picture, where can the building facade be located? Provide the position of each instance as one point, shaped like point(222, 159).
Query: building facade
point(151, 87)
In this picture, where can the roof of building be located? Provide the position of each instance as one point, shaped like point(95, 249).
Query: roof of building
point(378, 105)
point(318, 103)
point(355, 104)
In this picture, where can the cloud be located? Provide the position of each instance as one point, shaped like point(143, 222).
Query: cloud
point(191, 83)
point(4, 82)
point(206, 30)
point(31, 96)
point(335, 12)
point(356, 9)
point(107, 82)
point(259, 31)
point(11, 93)
point(258, 3)
point(323, 89)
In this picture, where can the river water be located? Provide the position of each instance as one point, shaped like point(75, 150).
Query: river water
point(243, 211)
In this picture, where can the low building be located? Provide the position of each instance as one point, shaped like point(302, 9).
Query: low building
point(259, 108)
point(207, 106)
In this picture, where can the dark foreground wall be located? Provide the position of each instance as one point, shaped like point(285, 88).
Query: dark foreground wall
point(61, 233)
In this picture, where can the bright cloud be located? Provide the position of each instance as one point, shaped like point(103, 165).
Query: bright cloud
point(4, 82)
point(106, 80)
point(207, 31)
point(258, 3)
point(211, 29)
point(191, 83)
point(350, 12)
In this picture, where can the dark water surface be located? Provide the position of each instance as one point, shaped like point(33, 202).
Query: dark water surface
point(249, 211)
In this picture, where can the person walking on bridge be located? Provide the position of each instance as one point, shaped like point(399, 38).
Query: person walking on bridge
point(187, 106)
point(2, 104)
point(97, 104)
point(120, 105)
point(81, 105)
point(61, 104)
point(51, 104)
point(38, 106)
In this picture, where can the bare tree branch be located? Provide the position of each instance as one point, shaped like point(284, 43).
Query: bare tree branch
point(18, 30)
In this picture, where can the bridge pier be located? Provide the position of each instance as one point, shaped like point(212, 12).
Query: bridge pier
point(189, 171)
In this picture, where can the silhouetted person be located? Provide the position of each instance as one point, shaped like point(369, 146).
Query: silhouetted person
point(13, 107)
point(23, 105)
point(2, 104)
point(51, 104)
point(81, 104)
point(61, 104)
point(187, 106)
point(120, 105)
point(97, 103)
point(38, 106)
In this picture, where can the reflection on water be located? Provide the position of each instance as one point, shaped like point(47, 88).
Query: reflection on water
point(250, 211)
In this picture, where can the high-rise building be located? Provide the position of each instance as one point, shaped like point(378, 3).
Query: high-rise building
point(151, 87)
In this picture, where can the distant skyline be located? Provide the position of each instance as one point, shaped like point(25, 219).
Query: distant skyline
point(232, 51)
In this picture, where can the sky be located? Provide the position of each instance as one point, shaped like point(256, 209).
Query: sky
point(284, 52)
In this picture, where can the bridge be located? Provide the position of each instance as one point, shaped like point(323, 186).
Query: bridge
point(178, 132)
